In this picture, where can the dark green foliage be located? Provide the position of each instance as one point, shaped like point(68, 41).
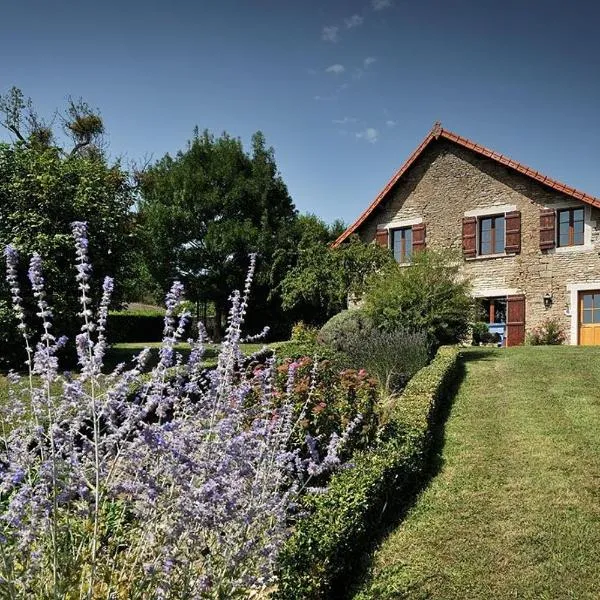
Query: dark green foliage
point(327, 404)
point(301, 332)
point(428, 295)
point(392, 357)
point(318, 278)
point(127, 327)
point(344, 326)
point(549, 332)
point(295, 350)
point(480, 331)
point(41, 193)
point(205, 210)
point(320, 555)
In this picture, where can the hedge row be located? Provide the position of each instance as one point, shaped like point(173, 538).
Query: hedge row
point(325, 544)
point(126, 327)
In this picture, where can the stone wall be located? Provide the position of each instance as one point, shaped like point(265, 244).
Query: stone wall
point(447, 181)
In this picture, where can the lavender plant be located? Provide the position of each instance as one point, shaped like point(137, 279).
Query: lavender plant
point(143, 485)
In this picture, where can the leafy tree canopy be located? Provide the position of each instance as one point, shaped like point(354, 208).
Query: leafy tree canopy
point(44, 188)
point(322, 278)
point(207, 208)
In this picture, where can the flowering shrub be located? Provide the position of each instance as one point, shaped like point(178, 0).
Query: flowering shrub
point(327, 401)
point(549, 332)
point(303, 333)
point(173, 490)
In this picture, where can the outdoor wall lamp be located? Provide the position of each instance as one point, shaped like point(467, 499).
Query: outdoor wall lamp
point(547, 300)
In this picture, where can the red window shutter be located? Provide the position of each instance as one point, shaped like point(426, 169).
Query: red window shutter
point(547, 229)
point(515, 320)
point(469, 235)
point(381, 238)
point(418, 237)
point(513, 232)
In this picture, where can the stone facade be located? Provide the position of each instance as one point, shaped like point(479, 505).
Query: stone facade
point(448, 182)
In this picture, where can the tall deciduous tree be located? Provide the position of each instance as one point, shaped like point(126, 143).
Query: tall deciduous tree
point(207, 208)
point(318, 279)
point(44, 188)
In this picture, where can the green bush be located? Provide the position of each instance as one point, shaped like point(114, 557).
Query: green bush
point(392, 357)
point(326, 400)
point(132, 327)
point(428, 295)
point(549, 332)
point(479, 329)
point(303, 333)
point(296, 350)
point(338, 331)
point(320, 555)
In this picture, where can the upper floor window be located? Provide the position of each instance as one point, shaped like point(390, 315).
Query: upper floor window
point(491, 235)
point(570, 227)
point(402, 244)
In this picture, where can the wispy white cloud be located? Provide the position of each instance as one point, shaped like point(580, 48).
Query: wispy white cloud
point(353, 21)
point(337, 69)
point(323, 98)
point(369, 134)
point(381, 4)
point(369, 61)
point(391, 123)
point(344, 121)
point(330, 34)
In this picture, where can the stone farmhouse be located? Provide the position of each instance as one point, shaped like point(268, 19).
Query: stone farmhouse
point(530, 244)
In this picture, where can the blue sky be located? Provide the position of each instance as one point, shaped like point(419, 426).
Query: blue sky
point(344, 91)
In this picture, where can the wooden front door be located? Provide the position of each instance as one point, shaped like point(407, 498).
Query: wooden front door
point(589, 318)
point(515, 320)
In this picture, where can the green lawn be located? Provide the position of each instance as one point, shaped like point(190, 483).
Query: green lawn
point(514, 511)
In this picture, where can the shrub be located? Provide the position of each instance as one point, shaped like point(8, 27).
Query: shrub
point(483, 335)
point(392, 357)
point(303, 333)
point(320, 556)
point(479, 330)
point(426, 296)
point(549, 332)
point(347, 324)
point(327, 400)
point(131, 327)
point(136, 485)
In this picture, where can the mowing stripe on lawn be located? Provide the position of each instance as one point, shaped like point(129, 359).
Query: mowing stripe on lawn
point(515, 509)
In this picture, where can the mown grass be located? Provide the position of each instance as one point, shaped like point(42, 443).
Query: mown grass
point(515, 510)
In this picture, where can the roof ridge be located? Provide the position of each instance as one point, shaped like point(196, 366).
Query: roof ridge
point(438, 131)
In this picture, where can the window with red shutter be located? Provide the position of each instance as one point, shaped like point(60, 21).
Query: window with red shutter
point(381, 238)
point(513, 232)
point(418, 237)
point(547, 229)
point(469, 235)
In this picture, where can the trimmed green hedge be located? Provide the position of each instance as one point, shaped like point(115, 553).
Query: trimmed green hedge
point(132, 327)
point(321, 550)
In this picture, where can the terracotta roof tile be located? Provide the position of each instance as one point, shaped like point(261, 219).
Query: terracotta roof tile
point(439, 132)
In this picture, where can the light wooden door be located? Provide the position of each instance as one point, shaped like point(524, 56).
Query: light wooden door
point(589, 318)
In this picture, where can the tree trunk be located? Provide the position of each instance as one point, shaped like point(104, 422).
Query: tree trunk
point(218, 332)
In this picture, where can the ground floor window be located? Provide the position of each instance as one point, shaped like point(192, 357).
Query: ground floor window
point(493, 310)
point(491, 328)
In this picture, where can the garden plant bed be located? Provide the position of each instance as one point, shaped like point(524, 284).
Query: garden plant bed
point(514, 511)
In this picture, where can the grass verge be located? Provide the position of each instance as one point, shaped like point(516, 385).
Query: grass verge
point(514, 511)
point(324, 548)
